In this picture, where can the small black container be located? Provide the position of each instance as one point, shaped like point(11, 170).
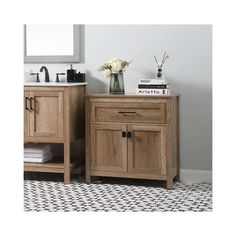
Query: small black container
point(79, 77)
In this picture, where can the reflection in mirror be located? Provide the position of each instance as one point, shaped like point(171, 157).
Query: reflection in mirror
point(51, 43)
point(48, 40)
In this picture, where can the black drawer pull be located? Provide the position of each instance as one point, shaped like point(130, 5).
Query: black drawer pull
point(128, 134)
point(26, 104)
point(31, 106)
point(123, 134)
point(127, 113)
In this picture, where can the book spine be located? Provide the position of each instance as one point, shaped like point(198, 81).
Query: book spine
point(152, 91)
point(152, 81)
point(153, 86)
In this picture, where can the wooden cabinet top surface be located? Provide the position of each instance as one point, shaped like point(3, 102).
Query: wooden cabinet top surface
point(106, 95)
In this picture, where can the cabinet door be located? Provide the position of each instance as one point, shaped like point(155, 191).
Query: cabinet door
point(147, 149)
point(46, 117)
point(26, 114)
point(108, 147)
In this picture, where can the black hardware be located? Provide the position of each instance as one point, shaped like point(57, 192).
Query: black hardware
point(26, 104)
point(31, 107)
point(37, 76)
point(46, 73)
point(57, 78)
point(127, 113)
point(128, 134)
point(123, 134)
point(159, 74)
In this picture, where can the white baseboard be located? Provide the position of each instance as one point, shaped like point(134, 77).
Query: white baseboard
point(194, 176)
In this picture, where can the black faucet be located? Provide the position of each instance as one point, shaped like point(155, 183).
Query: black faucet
point(46, 73)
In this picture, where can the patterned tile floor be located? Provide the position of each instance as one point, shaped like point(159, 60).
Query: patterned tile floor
point(48, 193)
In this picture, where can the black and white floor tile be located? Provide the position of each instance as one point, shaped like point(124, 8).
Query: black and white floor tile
point(115, 195)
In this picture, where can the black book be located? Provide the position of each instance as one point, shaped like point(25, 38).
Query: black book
point(153, 86)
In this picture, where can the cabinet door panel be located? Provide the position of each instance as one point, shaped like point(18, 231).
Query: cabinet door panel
point(109, 148)
point(26, 114)
point(46, 119)
point(146, 149)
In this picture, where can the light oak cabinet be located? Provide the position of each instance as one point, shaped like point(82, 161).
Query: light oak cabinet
point(132, 136)
point(146, 149)
point(44, 114)
point(54, 114)
point(108, 148)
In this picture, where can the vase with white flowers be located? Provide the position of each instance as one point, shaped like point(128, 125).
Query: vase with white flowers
point(160, 65)
point(114, 69)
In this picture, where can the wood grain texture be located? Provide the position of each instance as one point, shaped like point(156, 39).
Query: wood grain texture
point(169, 153)
point(57, 116)
point(146, 149)
point(131, 95)
point(132, 100)
point(151, 151)
point(128, 175)
point(43, 140)
point(53, 166)
point(129, 112)
point(87, 141)
point(67, 115)
point(46, 118)
point(108, 148)
point(43, 89)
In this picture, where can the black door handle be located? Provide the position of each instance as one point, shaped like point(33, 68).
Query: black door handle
point(129, 134)
point(31, 106)
point(123, 134)
point(26, 104)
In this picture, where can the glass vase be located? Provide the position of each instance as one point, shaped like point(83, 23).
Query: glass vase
point(159, 74)
point(117, 83)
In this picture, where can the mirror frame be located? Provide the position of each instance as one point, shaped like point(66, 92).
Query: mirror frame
point(59, 58)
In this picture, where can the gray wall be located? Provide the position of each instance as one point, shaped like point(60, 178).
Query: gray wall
point(189, 71)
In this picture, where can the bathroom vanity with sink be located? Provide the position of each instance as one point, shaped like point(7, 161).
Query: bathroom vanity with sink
point(54, 113)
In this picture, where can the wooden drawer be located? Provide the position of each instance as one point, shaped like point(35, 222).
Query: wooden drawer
point(129, 112)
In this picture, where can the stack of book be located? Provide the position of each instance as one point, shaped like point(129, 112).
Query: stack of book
point(153, 87)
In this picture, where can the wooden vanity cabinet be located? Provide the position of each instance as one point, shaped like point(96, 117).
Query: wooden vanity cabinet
point(54, 114)
point(44, 114)
point(132, 136)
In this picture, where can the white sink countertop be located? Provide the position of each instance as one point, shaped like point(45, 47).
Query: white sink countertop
point(53, 84)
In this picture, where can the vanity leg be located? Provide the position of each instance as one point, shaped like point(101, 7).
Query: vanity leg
point(87, 179)
point(177, 177)
point(67, 162)
point(170, 183)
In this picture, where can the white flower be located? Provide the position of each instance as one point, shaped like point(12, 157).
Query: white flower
point(106, 73)
point(116, 66)
point(112, 60)
point(113, 65)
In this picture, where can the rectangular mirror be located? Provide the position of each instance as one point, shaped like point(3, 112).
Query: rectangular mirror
point(51, 43)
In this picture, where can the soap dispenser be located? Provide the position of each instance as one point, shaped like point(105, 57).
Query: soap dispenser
point(71, 74)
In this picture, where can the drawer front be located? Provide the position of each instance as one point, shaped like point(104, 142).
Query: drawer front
point(129, 112)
